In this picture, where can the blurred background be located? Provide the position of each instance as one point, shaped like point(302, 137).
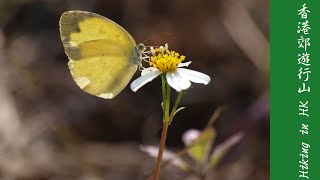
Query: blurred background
point(52, 130)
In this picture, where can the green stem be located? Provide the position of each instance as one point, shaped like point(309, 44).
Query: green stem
point(166, 92)
point(176, 105)
point(167, 109)
point(163, 78)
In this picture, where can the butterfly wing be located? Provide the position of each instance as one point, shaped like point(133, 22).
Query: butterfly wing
point(99, 52)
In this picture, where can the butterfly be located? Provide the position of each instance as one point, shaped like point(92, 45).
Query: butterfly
point(103, 56)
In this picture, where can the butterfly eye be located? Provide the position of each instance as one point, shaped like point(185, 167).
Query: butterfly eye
point(141, 47)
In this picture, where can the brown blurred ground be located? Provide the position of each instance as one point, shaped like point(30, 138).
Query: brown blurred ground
point(50, 129)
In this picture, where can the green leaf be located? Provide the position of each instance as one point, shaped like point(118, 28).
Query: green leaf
point(221, 150)
point(179, 109)
point(200, 148)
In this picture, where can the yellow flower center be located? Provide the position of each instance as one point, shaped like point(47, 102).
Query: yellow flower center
point(165, 60)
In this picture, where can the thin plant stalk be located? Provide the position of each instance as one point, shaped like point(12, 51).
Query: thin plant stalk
point(166, 93)
point(161, 149)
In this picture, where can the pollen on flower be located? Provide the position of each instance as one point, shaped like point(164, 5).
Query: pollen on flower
point(165, 60)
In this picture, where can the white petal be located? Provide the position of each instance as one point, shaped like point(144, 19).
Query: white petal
point(177, 82)
point(152, 50)
point(142, 80)
point(148, 70)
point(167, 156)
point(189, 136)
point(186, 64)
point(166, 46)
point(194, 76)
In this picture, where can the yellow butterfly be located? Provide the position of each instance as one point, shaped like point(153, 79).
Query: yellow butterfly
point(103, 56)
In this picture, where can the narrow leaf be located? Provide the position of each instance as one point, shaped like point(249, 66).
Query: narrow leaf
point(221, 150)
point(179, 109)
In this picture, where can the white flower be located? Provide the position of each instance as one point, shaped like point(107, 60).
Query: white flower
point(163, 61)
point(179, 79)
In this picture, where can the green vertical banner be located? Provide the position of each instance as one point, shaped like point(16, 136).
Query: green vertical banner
point(295, 89)
point(314, 122)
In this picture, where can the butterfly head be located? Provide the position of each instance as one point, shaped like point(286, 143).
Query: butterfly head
point(141, 47)
point(136, 55)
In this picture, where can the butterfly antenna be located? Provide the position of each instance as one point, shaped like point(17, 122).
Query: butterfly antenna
point(164, 35)
point(146, 41)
